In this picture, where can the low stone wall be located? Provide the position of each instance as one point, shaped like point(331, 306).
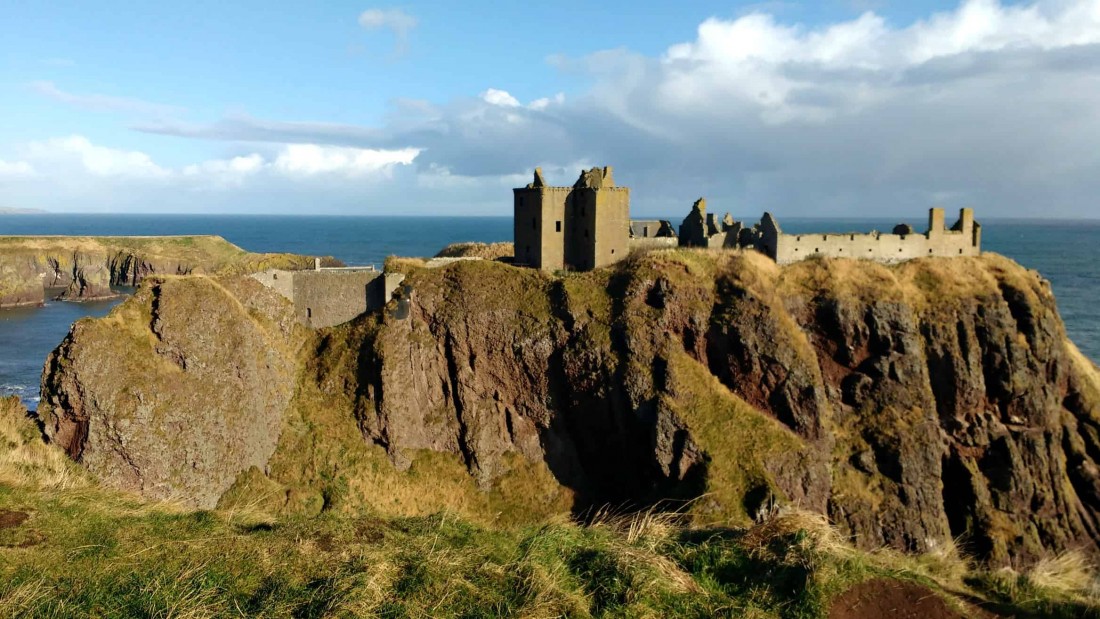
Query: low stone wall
point(660, 242)
point(878, 247)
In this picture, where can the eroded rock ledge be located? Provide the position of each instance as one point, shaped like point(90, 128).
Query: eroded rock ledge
point(86, 268)
point(913, 404)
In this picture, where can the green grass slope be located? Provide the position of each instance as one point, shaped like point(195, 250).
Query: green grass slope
point(69, 548)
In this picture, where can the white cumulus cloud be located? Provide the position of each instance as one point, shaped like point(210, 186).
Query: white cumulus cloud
point(493, 96)
point(312, 159)
point(77, 150)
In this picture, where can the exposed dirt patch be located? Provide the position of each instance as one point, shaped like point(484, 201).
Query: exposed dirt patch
point(11, 519)
point(326, 542)
point(370, 530)
point(891, 598)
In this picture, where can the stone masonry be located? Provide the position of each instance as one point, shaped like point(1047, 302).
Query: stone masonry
point(325, 297)
point(582, 227)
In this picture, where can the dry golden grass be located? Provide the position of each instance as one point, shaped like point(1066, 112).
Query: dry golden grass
point(485, 251)
point(1068, 573)
point(811, 530)
point(25, 460)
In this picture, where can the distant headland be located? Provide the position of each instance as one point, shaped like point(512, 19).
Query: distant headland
point(10, 210)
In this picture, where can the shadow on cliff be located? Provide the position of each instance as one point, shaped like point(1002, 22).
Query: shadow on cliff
point(600, 444)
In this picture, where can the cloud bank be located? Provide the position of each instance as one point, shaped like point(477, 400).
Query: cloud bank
point(989, 105)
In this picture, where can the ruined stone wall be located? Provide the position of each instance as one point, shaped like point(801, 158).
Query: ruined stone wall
point(331, 296)
point(880, 247)
point(658, 242)
point(963, 240)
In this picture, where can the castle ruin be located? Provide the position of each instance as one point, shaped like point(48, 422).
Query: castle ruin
point(962, 239)
point(588, 226)
point(582, 227)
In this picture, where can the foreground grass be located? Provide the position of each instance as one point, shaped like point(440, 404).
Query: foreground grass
point(71, 549)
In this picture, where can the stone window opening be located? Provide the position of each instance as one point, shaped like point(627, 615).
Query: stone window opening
point(645, 230)
point(309, 312)
point(557, 226)
point(612, 252)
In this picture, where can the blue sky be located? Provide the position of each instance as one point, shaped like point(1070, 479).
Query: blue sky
point(803, 108)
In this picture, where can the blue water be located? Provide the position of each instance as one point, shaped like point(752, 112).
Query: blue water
point(1065, 252)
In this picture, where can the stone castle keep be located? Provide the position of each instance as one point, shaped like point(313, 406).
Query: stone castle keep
point(588, 226)
point(582, 227)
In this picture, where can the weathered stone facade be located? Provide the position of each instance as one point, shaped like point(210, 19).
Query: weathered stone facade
point(962, 239)
point(702, 229)
point(331, 296)
point(652, 234)
point(582, 227)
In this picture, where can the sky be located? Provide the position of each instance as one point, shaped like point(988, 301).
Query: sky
point(842, 108)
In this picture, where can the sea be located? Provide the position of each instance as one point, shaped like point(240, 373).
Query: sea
point(1065, 252)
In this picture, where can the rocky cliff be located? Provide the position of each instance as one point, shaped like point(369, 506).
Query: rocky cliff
point(913, 404)
point(85, 268)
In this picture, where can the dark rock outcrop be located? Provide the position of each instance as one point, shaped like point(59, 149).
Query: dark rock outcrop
point(913, 404)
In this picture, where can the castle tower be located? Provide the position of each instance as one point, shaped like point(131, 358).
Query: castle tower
point(582, 227)
point(936, 224)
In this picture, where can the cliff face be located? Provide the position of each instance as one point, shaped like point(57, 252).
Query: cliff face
point(85, 268)
point(152, 398)
point(913, 404)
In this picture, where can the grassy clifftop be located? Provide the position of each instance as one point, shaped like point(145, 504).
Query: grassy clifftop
point(69, 547)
